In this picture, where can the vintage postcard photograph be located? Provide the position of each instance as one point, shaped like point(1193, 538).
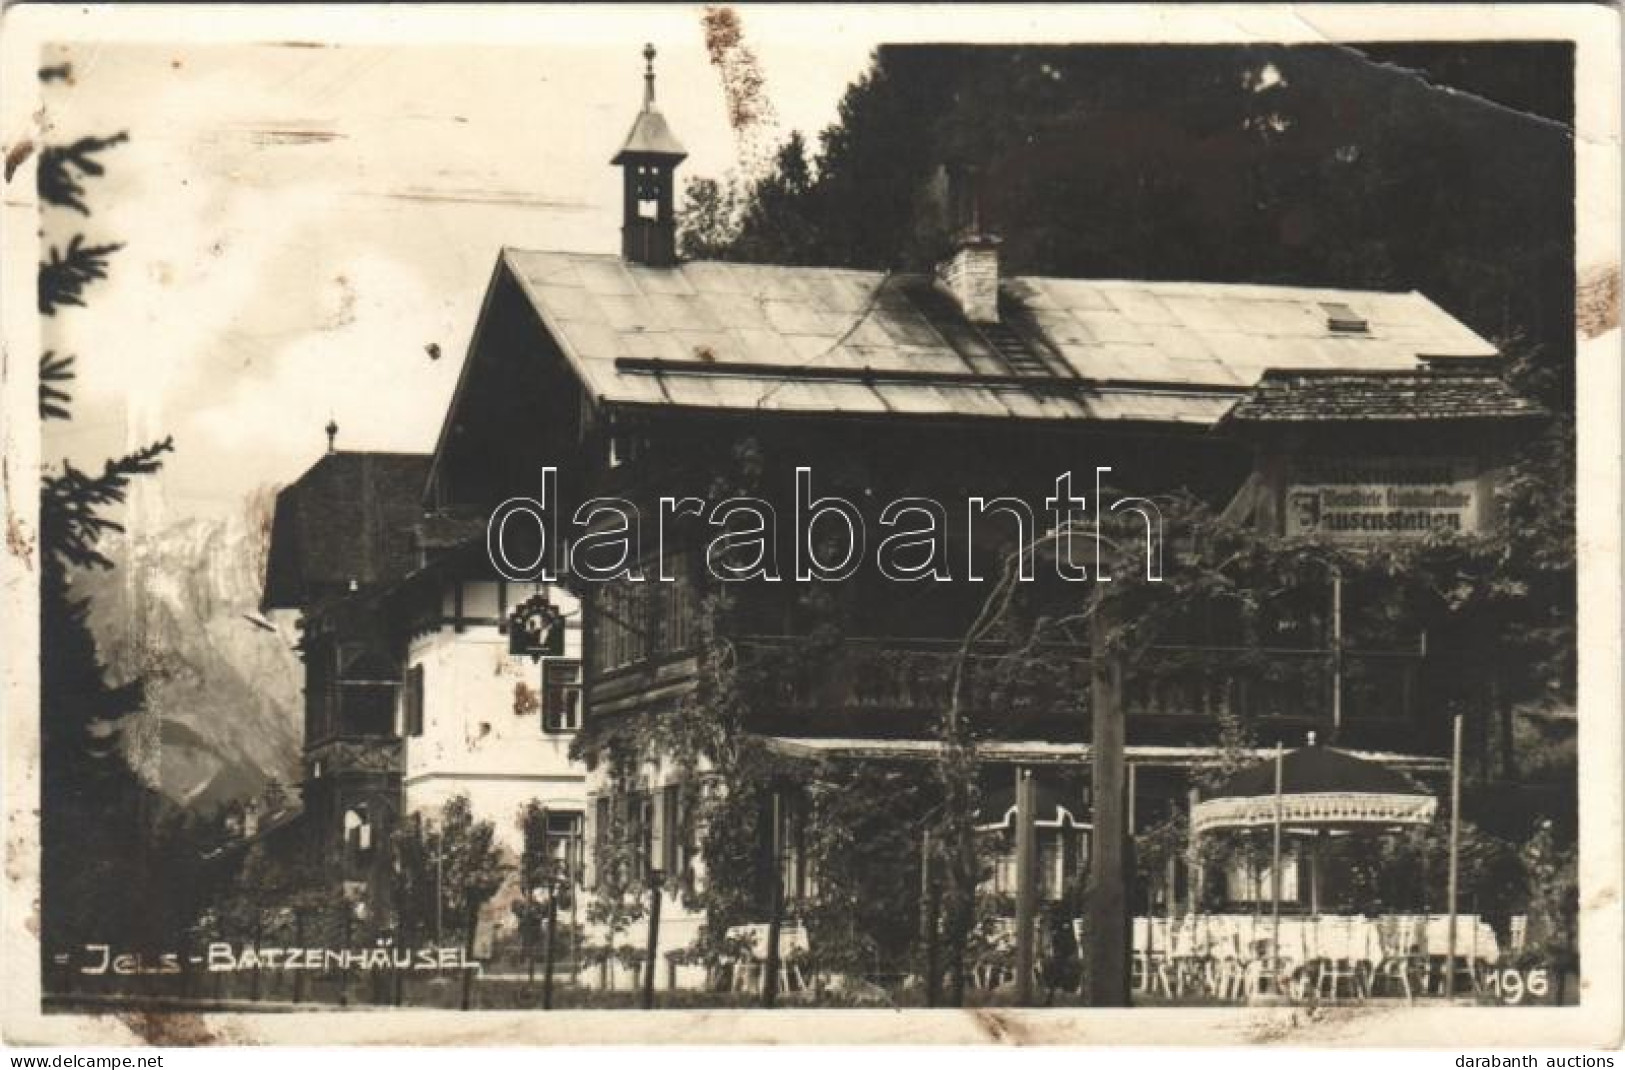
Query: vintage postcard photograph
point(1088, 524)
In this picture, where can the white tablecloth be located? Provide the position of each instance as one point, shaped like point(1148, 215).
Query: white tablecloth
point(1248, 936)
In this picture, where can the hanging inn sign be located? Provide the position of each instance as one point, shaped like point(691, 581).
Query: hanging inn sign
point(536, 629)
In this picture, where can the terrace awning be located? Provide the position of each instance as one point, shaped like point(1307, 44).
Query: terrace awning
point(1322, 789)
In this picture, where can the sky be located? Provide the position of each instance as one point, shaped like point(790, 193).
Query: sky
point(300, 223)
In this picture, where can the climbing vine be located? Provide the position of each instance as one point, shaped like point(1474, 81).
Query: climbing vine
point(1230, 601)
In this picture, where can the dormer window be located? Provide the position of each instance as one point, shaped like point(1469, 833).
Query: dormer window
point(1341, 319)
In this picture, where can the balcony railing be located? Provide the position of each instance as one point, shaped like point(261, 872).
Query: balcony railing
point(903, 676)
point(355, 754)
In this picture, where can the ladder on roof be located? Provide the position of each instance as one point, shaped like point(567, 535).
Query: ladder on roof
point(1016, 353)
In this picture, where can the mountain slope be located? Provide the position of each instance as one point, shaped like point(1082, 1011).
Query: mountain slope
point(222, 692)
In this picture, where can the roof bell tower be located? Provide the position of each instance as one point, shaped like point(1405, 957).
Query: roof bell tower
point(648, 160)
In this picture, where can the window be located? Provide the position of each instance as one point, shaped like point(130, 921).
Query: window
point(368, 682)
point(321, 689)
point(1061, 858)
point(620, 626)
point(561, 696)
point(633, 621)
point(678, 611)
point(412, 701)
point(564, 843)
point(357, 837)
point(641, 836)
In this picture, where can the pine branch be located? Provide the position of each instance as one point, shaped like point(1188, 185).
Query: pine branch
point(62, 169)
point(53, 400)
point(65, 274)
point(71, 502)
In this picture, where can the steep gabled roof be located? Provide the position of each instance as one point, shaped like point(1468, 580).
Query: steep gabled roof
point(712, 335)
point(349, 517)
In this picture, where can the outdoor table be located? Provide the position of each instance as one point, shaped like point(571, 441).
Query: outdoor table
point(1197, 946)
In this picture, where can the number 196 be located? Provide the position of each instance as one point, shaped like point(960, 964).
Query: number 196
point(1513, 985)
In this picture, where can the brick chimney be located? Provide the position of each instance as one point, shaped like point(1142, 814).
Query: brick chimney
point(971, 275)
point(971, 272)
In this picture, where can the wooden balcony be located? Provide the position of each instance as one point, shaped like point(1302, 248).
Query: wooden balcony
point(351, 755)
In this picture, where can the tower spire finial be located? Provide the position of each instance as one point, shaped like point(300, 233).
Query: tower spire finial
point(332, 432)
point(647, 159)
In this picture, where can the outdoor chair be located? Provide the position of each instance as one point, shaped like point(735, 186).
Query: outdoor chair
point(749, 975)
point(1518, 933)
point(1140, 958)
point(1402, 962)
point(1334, 974)
point(1227, 970)
point(1466, 960)
point(1152, 958)
point(1466, 980)
point(1270, 974)
point(1188, 957)
point(1153, 973)
point(1407, 971)
point(1339, 959)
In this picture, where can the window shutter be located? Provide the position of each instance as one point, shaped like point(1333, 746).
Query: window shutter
point(414, 701)
point(597, 818)
point(673, 861)
point(657, 831)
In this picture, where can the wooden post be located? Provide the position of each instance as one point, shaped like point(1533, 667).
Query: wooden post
point(1026, 893)
point(654, 941)
point(344, 974)
point(770, 978)
point(1502, 710)
point(576, 887)
point(1317, 846)
point(468, 957)
point(1108, 915)
point(1455, 861)
point(928, 923)
point(1133, 790)
point(1337, 654)
point(1275, 863)
point(299, 939)
point(1193, 884)
point(549, 947)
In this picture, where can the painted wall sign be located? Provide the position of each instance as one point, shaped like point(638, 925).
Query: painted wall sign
point(1378, 498)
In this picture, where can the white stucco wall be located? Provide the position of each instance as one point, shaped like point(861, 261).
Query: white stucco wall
point(474, 740)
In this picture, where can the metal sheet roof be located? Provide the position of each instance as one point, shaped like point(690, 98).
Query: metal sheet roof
point(650, 136)
point(804, 339)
